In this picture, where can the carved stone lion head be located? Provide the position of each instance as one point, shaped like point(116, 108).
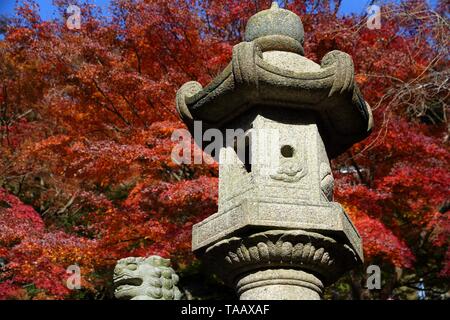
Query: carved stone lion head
point(151, 278)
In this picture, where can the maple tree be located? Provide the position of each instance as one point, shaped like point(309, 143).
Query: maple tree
point(86, 117)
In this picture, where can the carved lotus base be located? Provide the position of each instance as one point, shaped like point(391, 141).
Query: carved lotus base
point(280, 264)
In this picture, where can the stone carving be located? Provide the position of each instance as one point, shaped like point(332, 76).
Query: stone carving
point(291, 167)
point(252, 78)
point(152, 278)
point(326, 181)
point(277, 233)
point(282, 249)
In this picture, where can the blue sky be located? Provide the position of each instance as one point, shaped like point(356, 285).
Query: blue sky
point(47, 9)
point(7, 6)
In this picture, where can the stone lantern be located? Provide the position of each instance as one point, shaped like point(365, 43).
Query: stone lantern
point(277, 233)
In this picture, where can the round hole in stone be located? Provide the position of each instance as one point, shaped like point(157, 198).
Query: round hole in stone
point(287, 151)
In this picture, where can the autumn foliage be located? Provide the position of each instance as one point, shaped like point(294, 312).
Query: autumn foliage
point(86, 117)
